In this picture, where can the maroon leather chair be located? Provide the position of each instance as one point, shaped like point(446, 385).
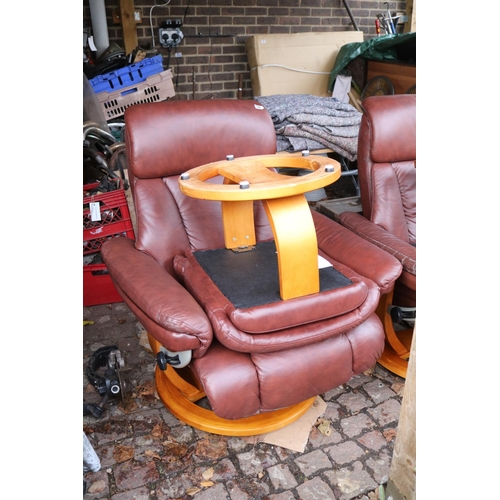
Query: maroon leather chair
point(387, 182)
point(257, 366)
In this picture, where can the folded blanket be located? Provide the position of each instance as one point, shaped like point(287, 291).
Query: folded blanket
point(304, 121)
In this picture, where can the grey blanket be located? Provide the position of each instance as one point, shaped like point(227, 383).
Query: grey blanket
point(304, 121)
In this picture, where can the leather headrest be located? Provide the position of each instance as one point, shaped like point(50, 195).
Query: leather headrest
point(391, 124)
point(169, 137)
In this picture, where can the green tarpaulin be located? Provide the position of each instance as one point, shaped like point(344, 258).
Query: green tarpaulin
point(400, 47)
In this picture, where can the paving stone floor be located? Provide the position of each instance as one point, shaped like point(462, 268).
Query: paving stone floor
point(145, 452)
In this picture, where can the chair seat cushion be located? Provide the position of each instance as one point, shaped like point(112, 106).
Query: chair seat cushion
point(251, 278)
point(246, 286)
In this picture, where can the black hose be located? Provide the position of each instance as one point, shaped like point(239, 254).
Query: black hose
point(100, 162)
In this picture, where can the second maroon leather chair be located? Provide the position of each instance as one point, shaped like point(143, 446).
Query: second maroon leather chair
point(387, 180)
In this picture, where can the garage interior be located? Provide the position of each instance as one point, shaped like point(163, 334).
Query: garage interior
point(301, 64)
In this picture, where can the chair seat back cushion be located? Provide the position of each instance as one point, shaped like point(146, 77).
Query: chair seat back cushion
point(394, 199)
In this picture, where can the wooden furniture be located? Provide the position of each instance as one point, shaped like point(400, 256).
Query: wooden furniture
point(402, 75)
point(251, 178)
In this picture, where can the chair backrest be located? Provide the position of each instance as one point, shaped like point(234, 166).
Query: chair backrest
point(387, 163)
point(165, 139)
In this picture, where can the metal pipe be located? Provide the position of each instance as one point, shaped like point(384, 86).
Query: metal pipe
point(349, 172)
point(91, 461)
point(99, 25)
point(350, 14)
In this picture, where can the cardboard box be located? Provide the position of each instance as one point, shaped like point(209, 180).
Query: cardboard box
point(298, 63)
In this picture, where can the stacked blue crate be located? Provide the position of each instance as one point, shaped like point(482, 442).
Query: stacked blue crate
point(128, 75)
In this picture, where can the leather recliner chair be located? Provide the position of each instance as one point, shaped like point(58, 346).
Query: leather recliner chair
point(387, 182)
point(221, 368)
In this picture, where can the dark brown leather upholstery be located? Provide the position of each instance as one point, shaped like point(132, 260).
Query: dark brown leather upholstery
point(258, 359)
point(387, 181)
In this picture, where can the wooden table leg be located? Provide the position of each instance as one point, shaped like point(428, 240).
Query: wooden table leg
point(238, 221)
point(296, 244)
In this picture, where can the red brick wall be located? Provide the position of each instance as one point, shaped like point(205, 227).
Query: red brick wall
point(217, 62)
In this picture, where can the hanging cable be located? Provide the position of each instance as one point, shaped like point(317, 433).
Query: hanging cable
point(185, 12)
point(177, 74)
point(262, 66)
point(151, 19)
point(211, 46)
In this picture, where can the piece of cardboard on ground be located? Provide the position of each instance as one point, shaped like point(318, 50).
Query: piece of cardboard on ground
point(294, 436)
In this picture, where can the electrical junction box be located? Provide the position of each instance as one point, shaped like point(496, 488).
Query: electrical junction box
point(170, 34)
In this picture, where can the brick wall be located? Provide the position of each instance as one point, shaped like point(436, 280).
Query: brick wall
point(213, 65)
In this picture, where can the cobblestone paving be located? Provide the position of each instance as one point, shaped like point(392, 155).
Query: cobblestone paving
point(146, 453)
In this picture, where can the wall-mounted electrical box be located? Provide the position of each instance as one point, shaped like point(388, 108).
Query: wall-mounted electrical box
point(169, 33)
point(172, 23)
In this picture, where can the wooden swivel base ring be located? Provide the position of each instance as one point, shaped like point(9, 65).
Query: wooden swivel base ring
point(206, 420)
point(397, 343)
point(393, 362)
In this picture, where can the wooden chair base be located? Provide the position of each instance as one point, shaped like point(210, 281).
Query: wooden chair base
point(184, 408)
point(392, 362)
point(397, 343)
point(179, 390)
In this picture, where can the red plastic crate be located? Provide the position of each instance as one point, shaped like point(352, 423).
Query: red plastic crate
point(115, 222)
point(98, 287)
point(115, 219)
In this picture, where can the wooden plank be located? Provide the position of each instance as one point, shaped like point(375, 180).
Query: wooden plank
point(402, 76)
point(402, 476)
point(411, 12)
point(355, 99)
point(128, 25)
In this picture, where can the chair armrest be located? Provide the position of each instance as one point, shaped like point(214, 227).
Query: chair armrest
point(153, 290)
point(360, 255)
point(403, 251)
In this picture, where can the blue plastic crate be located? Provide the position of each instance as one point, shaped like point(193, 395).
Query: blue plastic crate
point(128, 75)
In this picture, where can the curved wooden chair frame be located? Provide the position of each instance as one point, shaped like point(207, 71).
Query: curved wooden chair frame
point(397, 343)
point(179, 392)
